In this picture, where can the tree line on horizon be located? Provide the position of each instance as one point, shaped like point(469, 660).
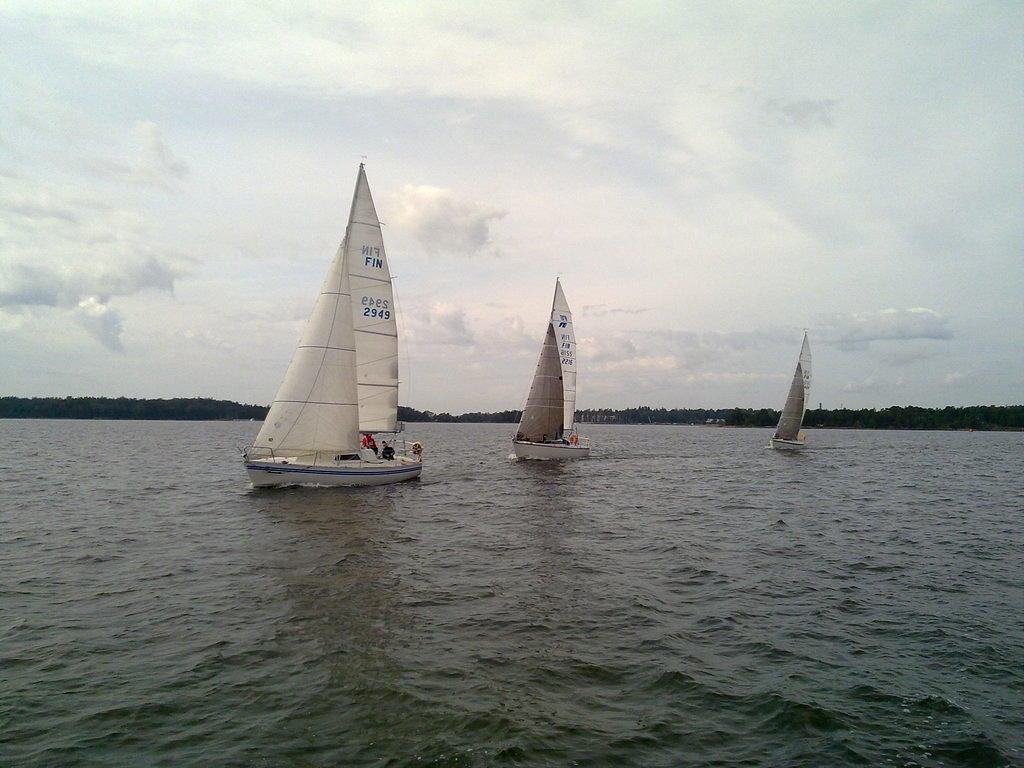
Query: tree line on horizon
point(981, 417)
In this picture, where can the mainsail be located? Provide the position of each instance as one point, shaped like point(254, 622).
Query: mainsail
point(373, 314)
point(565, 337)
point(315, 407)
point(543, 413)
point(796, 402)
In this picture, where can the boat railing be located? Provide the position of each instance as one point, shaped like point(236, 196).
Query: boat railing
point(307, 457)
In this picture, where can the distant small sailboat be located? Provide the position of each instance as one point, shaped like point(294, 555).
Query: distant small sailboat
point(787, 434)
point(343, 378)
point(547, 429)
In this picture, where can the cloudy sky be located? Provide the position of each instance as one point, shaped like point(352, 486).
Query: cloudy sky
point(707, 178)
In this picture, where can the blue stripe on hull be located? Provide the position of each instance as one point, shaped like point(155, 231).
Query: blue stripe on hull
point(343, 472)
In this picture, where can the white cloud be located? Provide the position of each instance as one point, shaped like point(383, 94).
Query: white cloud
point(874, 384)
point(69, 242)
point(441, 221)
point(601, 310)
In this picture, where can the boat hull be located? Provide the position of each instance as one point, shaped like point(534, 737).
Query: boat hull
point(561, 451)
point(787, 445)
point(269, 474)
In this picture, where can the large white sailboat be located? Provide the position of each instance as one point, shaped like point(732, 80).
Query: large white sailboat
point(343, 378)
point(547, 429)
point(787, 434)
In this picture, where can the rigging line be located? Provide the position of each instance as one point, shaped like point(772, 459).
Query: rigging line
point(373, 325)
point(369, 277)
point(367, 398)
point(378, 360)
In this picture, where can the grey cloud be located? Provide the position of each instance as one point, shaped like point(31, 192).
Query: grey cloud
point(155, 159)
point(153, 162)
point(203, 338)
point(610, 349)
point(37, 208)
point(679, 349)
point(857, 331)
point(23, 285)
point(38, 202)
point(101, 321)
point(441, 221)
point(804, 113)
point(84, 289)
point(448, 325)
point(902, 357)
point(722, 341)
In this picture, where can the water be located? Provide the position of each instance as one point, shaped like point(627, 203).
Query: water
point(684, 598)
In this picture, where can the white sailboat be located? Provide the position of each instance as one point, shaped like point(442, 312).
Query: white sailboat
point(787, 434)
point(547, 429)
point(343, 378)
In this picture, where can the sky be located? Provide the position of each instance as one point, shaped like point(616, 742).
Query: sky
point(706, 178)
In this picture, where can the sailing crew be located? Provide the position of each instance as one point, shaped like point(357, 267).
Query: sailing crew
point(387, 452)
point(369, 442)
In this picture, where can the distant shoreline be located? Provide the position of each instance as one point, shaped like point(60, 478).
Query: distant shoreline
point(579, 423)
point(977, 417)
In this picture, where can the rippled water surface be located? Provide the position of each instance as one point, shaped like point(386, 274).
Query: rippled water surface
point(684, 598)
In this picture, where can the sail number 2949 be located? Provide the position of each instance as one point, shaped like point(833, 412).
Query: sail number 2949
point(373, 307)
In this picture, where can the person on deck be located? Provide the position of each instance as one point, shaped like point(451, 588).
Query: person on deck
point(369, 442)
point(387, 452)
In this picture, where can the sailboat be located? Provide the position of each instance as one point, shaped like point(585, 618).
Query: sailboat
point(343, 377)
point(547, 429)
point(787, 434)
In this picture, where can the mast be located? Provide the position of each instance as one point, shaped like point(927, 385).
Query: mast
point(373, 314)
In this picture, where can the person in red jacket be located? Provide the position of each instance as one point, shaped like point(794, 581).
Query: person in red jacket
point(369, 442)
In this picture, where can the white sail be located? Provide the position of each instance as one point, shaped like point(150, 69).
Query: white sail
point(565, 337)
point(315, 408)
point(792, 417)
point(373, 314)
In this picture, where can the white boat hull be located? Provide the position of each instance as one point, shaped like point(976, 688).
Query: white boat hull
point(271, 473)
point(526, 450)
point(787, 445)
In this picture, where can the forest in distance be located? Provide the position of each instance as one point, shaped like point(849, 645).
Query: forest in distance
point(980, 417)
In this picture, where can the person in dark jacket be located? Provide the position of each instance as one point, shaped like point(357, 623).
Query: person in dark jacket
point(387, 452)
